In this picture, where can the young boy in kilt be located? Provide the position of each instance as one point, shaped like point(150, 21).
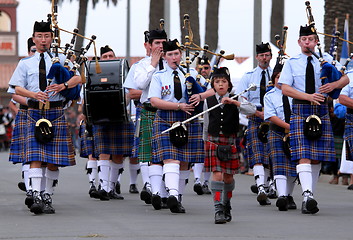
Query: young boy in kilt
point(300, 79)
point(220, 129)
point(277, 110)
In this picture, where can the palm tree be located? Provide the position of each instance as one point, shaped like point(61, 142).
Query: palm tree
point(190, 7)
point(156, 13)
point(277, 19)
point(211, 33)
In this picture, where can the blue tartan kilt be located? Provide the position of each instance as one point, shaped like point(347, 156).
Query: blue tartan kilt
point(256, 151)
point(135, 147)
point(17, 148)
point(281, 164)
point(86, 146)
point(114, 139)
point(59, 151)
point(348, 136)
point(163, 149)
point(322, 149)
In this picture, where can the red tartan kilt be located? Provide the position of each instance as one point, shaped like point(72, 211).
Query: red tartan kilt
point(213, 164)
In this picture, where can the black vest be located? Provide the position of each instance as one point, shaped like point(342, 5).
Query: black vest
point(224, 119)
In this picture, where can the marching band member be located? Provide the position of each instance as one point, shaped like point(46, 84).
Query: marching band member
point(59, 151)
point(168, 93)
point(300, 79)
point(277, 110)
point(220, 130)
point(256, 149)
point(154, 190)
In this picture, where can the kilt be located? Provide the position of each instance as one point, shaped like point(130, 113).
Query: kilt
point(281, 164)
point(60, 151)
point(17, 148)
point(163, 149)
point(256, 151)
point(114, 139)
point(86, 146)
point(322, 149)
point(212, 163)
point(348, 136)
point(135, 147)
point(145, 146)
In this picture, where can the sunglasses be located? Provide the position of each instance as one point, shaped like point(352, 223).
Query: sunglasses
point(205, 68)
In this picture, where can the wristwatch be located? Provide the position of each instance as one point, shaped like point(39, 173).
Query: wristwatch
point(66, 85)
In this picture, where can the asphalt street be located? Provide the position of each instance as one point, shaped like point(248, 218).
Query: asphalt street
point(80, 217)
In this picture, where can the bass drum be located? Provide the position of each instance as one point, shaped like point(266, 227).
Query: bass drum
point(104, 95)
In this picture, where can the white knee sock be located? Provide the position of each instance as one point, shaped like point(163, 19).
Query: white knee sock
point(163, 190)
point(267, 177)
point(114, 174)
point(281, 185)
point(25, 168)
point(43, 182)
point(171, 178)
point(198, 167)
point(92, 171)
point(144, 173)
point(35, 177)
point(290, 185)
point(183, 180)
point(206, 176)
point(315, 170)
point(259, 174)
point(134, 171)
point(155, 175)
point(103, 173)
point(304, 172)
point(51, 180)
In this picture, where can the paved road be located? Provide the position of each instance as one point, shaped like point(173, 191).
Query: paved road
point(79, 217)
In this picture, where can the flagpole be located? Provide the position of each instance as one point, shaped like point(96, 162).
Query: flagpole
point(347, 18)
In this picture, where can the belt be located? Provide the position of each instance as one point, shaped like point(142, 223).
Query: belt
point(149, 107)
point(35, 104)
point(260, 109)
point(276, 128)
point(350, 110)
point(24, 107)
point(298, 101)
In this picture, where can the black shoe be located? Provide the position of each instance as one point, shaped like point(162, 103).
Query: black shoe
point(291, 203)
point(198, 188)
point(350, 187)
point(311, 205)
point(178, 209)
point(113, 195)
point(38, 205)
point(205, 188)
point(29, 198)
point(219, 217)
point(263, 199)
point(254, 189)
point(133, 189)
point(146, 194)
point(156, 202)
point(227, 213)
point(93, 193)
point(164, 203)
point(272, 194)
point(22, 186)
point(172, 202)
point(103, 195)
point(117, 188)
point(282, 203)
point(48, 208)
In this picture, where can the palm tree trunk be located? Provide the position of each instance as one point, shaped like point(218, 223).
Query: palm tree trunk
point(190, 7)
point(277, 19)
point(156, 13)
point(81, 23)
point(211, 33)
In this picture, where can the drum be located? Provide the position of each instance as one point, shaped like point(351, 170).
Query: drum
point(105, 101)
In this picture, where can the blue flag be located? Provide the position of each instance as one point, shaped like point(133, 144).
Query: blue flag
point(333, 41)
point(345, 47)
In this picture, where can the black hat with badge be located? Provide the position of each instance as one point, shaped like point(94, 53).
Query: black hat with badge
point(42, 27)
point(105, 49)
point(30, 43)
point(170, 45)
point(306, 30)
point(263, 47)
point(157, 34)
point(203, 60)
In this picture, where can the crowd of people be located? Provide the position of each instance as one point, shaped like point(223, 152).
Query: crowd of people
point(289, 132)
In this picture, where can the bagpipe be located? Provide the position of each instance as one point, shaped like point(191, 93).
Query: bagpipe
point(194, 86)
point(43, 127)
point(178, 132)
point(329, 73)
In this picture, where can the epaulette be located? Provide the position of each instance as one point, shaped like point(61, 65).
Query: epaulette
point(161, 71)
point(251, 71)
point(25, 58)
